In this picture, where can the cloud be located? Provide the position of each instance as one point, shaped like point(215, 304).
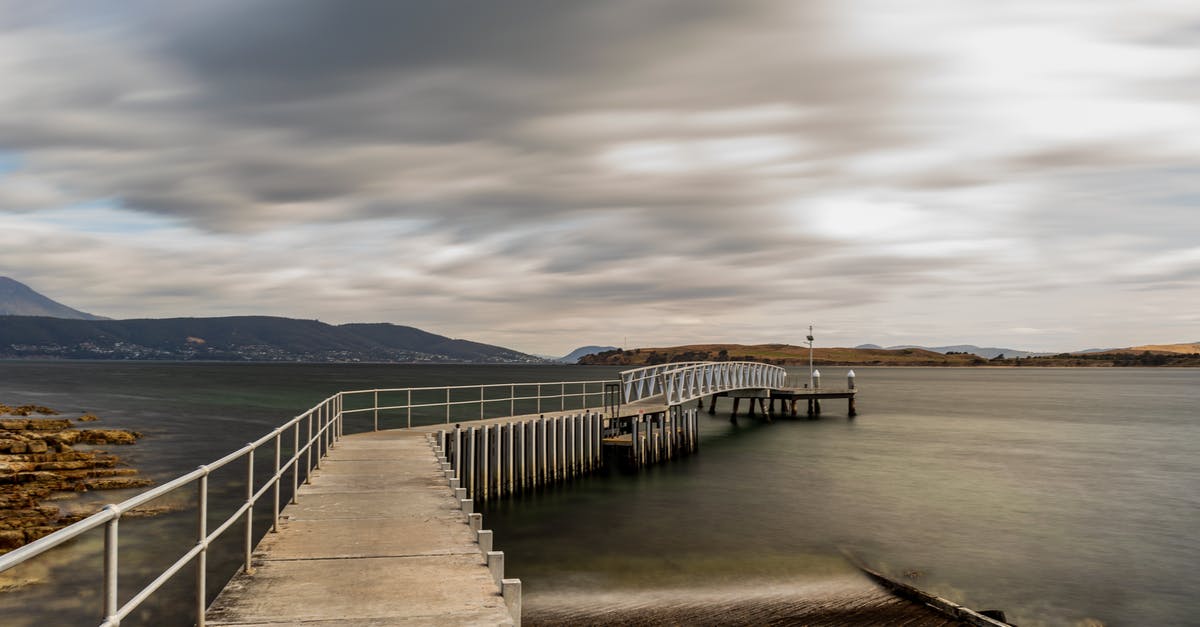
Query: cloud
point(540, 173)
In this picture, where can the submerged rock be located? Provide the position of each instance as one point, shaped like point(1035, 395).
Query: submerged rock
point(38, 463)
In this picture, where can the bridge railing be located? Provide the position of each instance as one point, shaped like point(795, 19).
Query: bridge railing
point(321, 427)
point(408, 407)
point(647, 382)
point(686, 381)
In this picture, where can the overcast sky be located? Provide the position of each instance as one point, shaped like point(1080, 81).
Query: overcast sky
point(546, 174)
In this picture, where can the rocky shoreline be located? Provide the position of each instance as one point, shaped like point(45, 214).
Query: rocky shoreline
point(39, 463)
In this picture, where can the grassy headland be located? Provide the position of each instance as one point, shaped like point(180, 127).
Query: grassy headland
point(789, 355)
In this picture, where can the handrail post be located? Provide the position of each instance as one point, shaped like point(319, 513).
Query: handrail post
point(512, 400)
point(447, 405)
point(249, 508)
point(278, 450)
point(377, 410)
point(539, 398)
point(562, 397)
point(295, 460)
point(319, 437)
point(480, 403)
point(410, 409)
point(308, 451)
point(110, 563)
point(202, 539)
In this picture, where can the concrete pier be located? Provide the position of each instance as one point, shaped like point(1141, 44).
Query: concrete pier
point(378, 538)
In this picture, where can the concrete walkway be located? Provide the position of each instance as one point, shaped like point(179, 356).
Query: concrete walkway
point(377, 539)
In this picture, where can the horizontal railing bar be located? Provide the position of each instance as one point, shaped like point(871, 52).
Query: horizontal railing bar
point(236, 516)
point(16, 556)
point(158, 582)
point(469, 402)
point(475, 387)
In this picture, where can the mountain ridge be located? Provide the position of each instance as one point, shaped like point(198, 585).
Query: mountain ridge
point(239, 338)
point(583, 351)
point(18, 299)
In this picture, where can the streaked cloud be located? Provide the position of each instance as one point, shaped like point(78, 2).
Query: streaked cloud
point(544, 174)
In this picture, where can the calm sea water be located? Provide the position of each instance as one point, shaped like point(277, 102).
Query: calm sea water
point(1058, 495)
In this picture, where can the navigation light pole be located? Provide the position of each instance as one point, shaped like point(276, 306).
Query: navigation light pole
point(810, 357)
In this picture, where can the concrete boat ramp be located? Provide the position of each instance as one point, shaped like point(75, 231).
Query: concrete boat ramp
point(377, 538)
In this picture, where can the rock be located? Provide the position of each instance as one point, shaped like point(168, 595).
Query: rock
point(115, 483)
point(48, 424)
point(68, 465)
point(33, 533)
point(37, 476)
point(11, 539)
point(17, 466)
point(67, 437)
point(108, 436)
point(25, 410)
point(25, 518)
point(37, 464)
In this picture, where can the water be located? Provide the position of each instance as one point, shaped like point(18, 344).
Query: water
point(1058, 495)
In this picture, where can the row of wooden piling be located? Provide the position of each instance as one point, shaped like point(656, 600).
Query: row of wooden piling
point(497, 460)
point(662, 436)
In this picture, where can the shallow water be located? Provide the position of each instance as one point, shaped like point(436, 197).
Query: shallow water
point(1057, 495)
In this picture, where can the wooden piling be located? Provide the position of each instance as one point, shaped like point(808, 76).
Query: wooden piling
point(543, 452)
point(484, 458)
point(520, 446)
point(569, 447)
point(636, 442)
point(736, 400)
point(469, 474)
point(510, 457)
point(588, 455)
point(562, 448)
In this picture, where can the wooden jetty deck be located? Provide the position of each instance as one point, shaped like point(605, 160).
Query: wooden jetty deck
point(378, 538)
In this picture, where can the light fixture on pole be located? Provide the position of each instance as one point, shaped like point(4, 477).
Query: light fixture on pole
point(810, 357)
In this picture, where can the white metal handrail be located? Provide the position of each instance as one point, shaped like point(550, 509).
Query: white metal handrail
point(545, 396)
point(685, 381)
point(323, 426)
point(645, 382)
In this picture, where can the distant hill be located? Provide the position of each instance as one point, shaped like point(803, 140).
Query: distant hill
point(986, 353)
point(787, 355)
point(781, 354)
point(18, 299)
point(1191, 348)
point(573, 356)
point(238, 338)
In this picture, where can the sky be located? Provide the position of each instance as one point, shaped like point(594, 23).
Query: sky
point(544, 174)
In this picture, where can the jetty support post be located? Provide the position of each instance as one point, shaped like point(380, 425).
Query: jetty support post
point(539, 473)
point(636, 442)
